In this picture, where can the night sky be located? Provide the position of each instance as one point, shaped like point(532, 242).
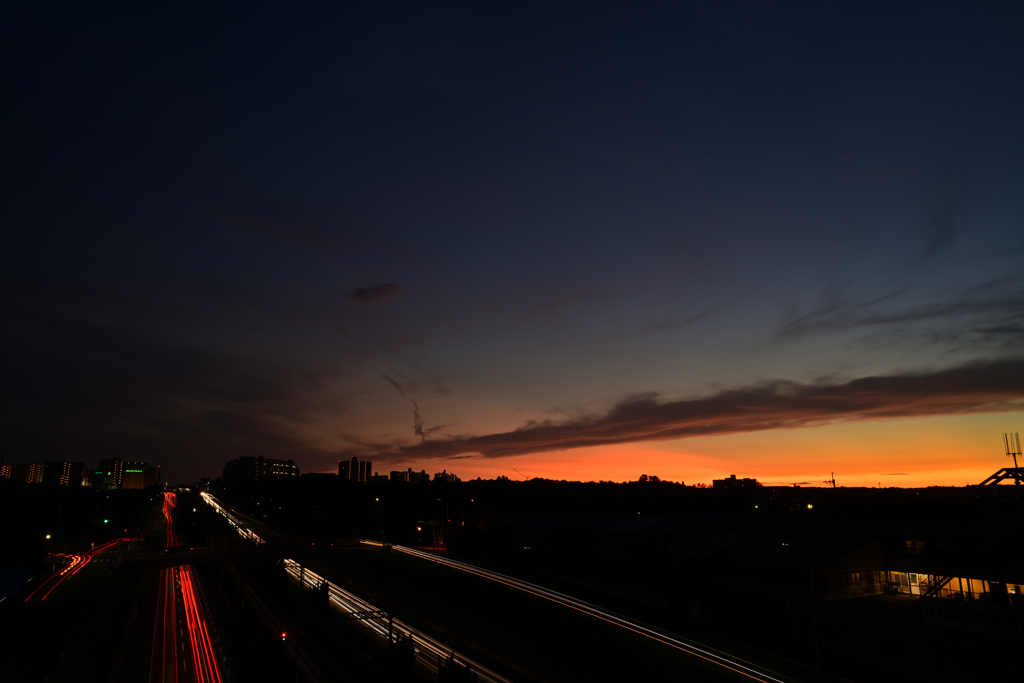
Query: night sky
point(576, 240)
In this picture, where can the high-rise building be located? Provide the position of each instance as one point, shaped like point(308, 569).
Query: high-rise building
point(113, 468)
point(31, 474)
point(16, 472)
point(139, 475)
point(445, 476)
point(355, 470)
point(249, 469)
point(411, 477)
point(278, 468)
point(63, 473)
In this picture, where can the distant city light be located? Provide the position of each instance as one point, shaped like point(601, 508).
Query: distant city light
point(47, 537)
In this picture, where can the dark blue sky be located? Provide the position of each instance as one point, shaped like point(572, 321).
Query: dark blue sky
point(573, 205)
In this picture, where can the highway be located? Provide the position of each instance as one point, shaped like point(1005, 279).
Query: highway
point(182, 650)
point(429, 652)
point(76, 564)
point(710, 655)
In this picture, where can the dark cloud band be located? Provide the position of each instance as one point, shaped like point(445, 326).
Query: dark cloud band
point(981, 387)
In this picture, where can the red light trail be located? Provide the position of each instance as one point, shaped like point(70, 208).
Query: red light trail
point(166, 649)
point(78, 562)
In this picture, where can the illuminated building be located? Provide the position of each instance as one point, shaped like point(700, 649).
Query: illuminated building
point(445, 476)
point(251, 469)
point(410, 477)
point(113, 469)
point(63, 473)
point(278, 468)
point(139, 475)
point(355, 470)
point(30, 474)
point(732, 483)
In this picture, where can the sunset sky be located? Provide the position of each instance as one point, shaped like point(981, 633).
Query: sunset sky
point(582, 241)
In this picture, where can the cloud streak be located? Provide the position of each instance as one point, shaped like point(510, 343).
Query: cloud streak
point(977, 387)
point(832, 319)
point(417, 420)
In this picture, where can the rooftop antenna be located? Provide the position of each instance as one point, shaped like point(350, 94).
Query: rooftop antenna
point(1012, 443)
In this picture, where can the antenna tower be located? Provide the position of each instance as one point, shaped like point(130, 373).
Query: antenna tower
point(1012, 443)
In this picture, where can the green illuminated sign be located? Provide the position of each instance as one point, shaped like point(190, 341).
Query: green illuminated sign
point(138, 471)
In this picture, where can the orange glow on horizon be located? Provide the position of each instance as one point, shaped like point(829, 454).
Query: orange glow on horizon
point(932, 451)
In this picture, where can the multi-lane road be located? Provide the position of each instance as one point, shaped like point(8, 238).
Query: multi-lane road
point(429, 652)
point(182, 649)
point(76, 563)
point(709, 655)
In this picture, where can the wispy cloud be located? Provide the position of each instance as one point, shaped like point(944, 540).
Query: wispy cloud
point(978, 387)
point(417, 420)
point(999, 310)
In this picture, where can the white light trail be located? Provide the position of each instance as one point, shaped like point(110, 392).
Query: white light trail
point(696, 649)
point(429, 651)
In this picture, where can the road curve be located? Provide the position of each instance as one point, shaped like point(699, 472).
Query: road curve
point(429, 652)
point(691, 647)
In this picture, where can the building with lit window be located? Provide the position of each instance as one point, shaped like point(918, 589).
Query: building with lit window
point(63, 473)
point(445, 476)
point(410, 477)
point(938, 548)
point(278, 468)
point(139, 475)
point(252, 469)
point(355, 470)
point(30, 474)
point(112, 476)
point(734, 484)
